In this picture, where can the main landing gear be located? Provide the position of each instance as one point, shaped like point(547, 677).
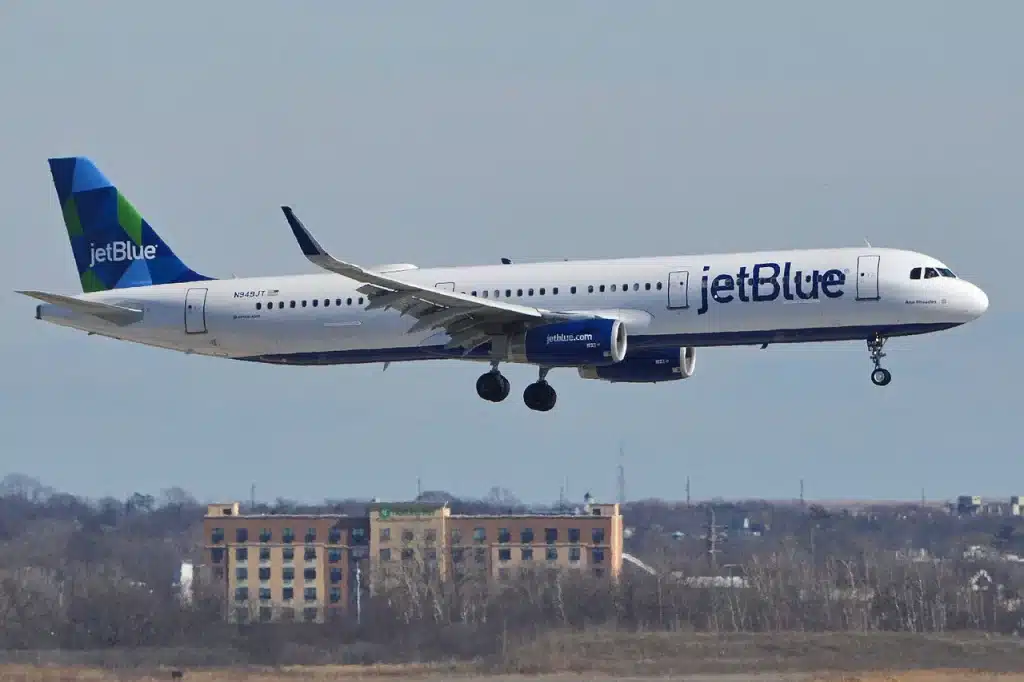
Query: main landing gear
point(880, 376)
point(493, 386)
point(538, 396)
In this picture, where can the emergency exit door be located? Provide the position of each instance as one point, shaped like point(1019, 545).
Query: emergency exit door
point(867, 278)
point(195, 311)
point(678, 289)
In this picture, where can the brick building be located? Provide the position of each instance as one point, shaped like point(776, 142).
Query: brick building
point(294, 567)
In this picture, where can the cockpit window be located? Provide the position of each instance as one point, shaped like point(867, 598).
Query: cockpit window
point(946, 272)
point(915, 273)
point(930, 272)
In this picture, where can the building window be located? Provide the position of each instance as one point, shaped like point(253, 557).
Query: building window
point(310, 554)
point(241, 535)
point(551, 554)
point(334, 556)
point(335, 595)
point(385, 534)
point(288, 554)
point(479, 536)
point(264, 554)
point(241, 554)
point(574, 536)
point(527, 553)
point(503, 573)
point(597, 556)
point(430, 553)
point(335, 575)
point(241, 594)
point(504, 554)
point(309, 594)
point(264, 574)
point(430, 536)
point(264, 594)
point(456, 536)
point(407, 554)
point(480, 555)
point(311, 535)
point(550, 535)
point(241, 574)
point(288, 536)
point(598, 536)
point(288, 574)
point(526, 536)
point(287, 594)
point(458, 555)
point(504, 536)
point(266, 613)
point(358, 536)
point(217, 536)
point(385, 554)
point(217, 555)
point(287, 615)
point(574, 554)
point(309, 574)
point(311, 614)
point(407, 535)
point(265, 535)
point(334, 536)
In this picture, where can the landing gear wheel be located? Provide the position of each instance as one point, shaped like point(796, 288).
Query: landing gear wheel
point(540, 396)
point(880, 376)
point(493, 387)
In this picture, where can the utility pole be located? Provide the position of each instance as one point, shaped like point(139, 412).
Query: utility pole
point(252, 498)
point(419, 488)
point(687, 491)
point(712, 541)
point(802, 504)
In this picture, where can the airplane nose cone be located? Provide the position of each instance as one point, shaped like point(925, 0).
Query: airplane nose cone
point(977, 302)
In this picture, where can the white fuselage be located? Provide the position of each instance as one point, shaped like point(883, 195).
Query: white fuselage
point(664, 302)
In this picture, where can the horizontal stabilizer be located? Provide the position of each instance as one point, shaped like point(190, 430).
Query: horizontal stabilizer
point(115, 314)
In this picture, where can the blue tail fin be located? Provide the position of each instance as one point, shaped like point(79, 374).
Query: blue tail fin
point(114, 246)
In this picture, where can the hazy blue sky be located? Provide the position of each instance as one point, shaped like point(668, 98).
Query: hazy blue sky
point(456, 133)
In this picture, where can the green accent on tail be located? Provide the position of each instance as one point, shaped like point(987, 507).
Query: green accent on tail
point(131, 221)
point(71, 220)
point(91, 283)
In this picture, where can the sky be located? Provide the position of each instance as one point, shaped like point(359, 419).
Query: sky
point(456, 133)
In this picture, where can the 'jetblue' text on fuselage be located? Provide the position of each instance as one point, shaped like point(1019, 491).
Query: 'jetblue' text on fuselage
point(767, 282)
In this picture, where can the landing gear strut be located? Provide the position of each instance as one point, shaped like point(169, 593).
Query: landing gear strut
point(540, 396)
point(493, 386)
point(880, 376)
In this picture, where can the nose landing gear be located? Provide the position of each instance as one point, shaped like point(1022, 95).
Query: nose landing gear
point(880, 376)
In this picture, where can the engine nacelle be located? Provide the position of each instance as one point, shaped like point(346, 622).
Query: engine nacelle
point(596, 342)
point(647, 367)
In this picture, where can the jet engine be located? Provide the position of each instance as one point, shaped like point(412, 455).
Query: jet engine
point(646, 367)
point(592, 342)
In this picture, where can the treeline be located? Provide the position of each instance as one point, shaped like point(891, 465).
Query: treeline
point(100, 577)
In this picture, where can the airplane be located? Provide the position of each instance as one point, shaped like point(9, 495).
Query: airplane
point(637, 320)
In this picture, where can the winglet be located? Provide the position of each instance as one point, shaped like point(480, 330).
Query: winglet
point(309, 246)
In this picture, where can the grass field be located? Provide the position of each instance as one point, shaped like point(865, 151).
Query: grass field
point(789, 657)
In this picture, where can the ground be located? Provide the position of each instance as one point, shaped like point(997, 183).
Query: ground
point(788, 657)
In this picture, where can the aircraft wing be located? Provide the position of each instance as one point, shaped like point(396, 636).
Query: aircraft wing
point(469, 320)
point(116, 314)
